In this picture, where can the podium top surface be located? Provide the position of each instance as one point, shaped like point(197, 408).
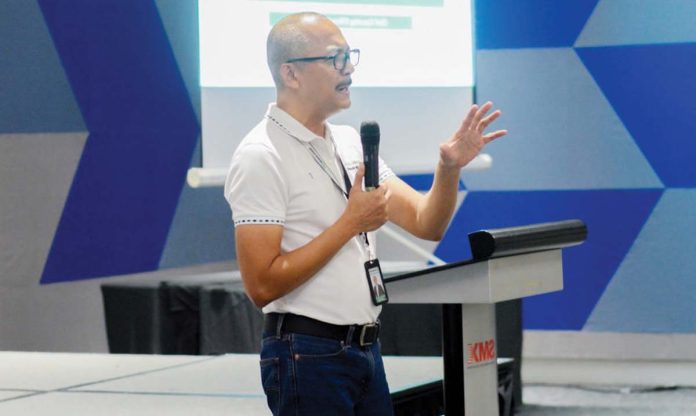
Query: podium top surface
point(395, 276)
point(480, 281)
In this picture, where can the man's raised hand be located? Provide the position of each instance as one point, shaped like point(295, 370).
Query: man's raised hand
point(469, 139)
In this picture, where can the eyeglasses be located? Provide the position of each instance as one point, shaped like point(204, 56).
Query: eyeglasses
point(339, 60)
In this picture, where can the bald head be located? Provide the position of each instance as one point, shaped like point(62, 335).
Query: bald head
point(292, 37)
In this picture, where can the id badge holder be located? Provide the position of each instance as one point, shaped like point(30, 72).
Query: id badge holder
point(375, 280)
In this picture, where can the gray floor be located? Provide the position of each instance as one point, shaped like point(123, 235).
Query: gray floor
point(541, 400)
point(56, 384)
point(53, 384)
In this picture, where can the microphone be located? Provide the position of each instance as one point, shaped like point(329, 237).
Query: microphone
point(369, 136)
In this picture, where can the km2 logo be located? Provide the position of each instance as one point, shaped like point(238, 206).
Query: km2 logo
point(479, 353)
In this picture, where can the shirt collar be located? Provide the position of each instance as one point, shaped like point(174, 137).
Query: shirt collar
point(293, 127)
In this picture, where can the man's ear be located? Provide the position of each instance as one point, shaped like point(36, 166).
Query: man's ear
point(287, 73)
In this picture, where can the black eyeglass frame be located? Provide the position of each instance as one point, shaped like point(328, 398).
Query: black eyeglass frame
point(345, 55)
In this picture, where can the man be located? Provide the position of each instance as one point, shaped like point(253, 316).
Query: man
point(378, 289)
point(303, 238)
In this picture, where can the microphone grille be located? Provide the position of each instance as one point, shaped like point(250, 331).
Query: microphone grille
point(369, 132)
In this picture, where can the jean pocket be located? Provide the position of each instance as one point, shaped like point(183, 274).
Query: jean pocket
point(270, 380)
point(306, 346)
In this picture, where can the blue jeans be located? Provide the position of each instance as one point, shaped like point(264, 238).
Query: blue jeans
point(304, 375)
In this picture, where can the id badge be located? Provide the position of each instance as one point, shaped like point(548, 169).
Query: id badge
point(375, 280)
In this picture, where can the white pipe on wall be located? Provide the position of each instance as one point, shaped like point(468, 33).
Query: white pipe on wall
point(206, 177)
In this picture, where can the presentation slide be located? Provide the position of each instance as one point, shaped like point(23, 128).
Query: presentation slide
point(403, 43)
point(415, 75)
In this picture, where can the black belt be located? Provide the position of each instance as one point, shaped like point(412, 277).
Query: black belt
point(361, 334)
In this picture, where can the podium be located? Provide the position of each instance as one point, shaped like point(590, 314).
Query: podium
point(508, 263)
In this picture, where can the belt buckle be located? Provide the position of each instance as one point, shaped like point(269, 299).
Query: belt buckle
point(363, 332)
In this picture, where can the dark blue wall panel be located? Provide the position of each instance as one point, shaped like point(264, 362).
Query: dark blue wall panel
point(614, 219)
point(652, 89)
point(143, 130)
point(503, 24)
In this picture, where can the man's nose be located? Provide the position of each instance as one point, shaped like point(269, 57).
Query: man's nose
point(349, 68)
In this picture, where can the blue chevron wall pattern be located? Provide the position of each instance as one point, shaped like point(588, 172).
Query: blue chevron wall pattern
point(597, 95)
point(138, 94)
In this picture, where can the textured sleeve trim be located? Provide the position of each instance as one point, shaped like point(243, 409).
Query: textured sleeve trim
point(259, 220)
point(385, 174)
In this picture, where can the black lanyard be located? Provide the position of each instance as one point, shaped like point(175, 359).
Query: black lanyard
point(349, 186)
point(346, 179)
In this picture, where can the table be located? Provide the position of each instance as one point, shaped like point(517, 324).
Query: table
point(209, 313)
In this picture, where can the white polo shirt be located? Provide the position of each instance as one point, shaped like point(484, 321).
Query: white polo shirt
point(275, 179)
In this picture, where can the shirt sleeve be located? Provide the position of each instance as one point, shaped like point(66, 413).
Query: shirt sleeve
point(385, 171)
point(255, 188)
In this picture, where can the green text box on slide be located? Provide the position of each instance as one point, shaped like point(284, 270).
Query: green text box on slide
point(346, 21)
point(416, 3)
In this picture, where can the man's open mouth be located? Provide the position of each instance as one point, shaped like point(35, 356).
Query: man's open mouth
point(343, 87)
